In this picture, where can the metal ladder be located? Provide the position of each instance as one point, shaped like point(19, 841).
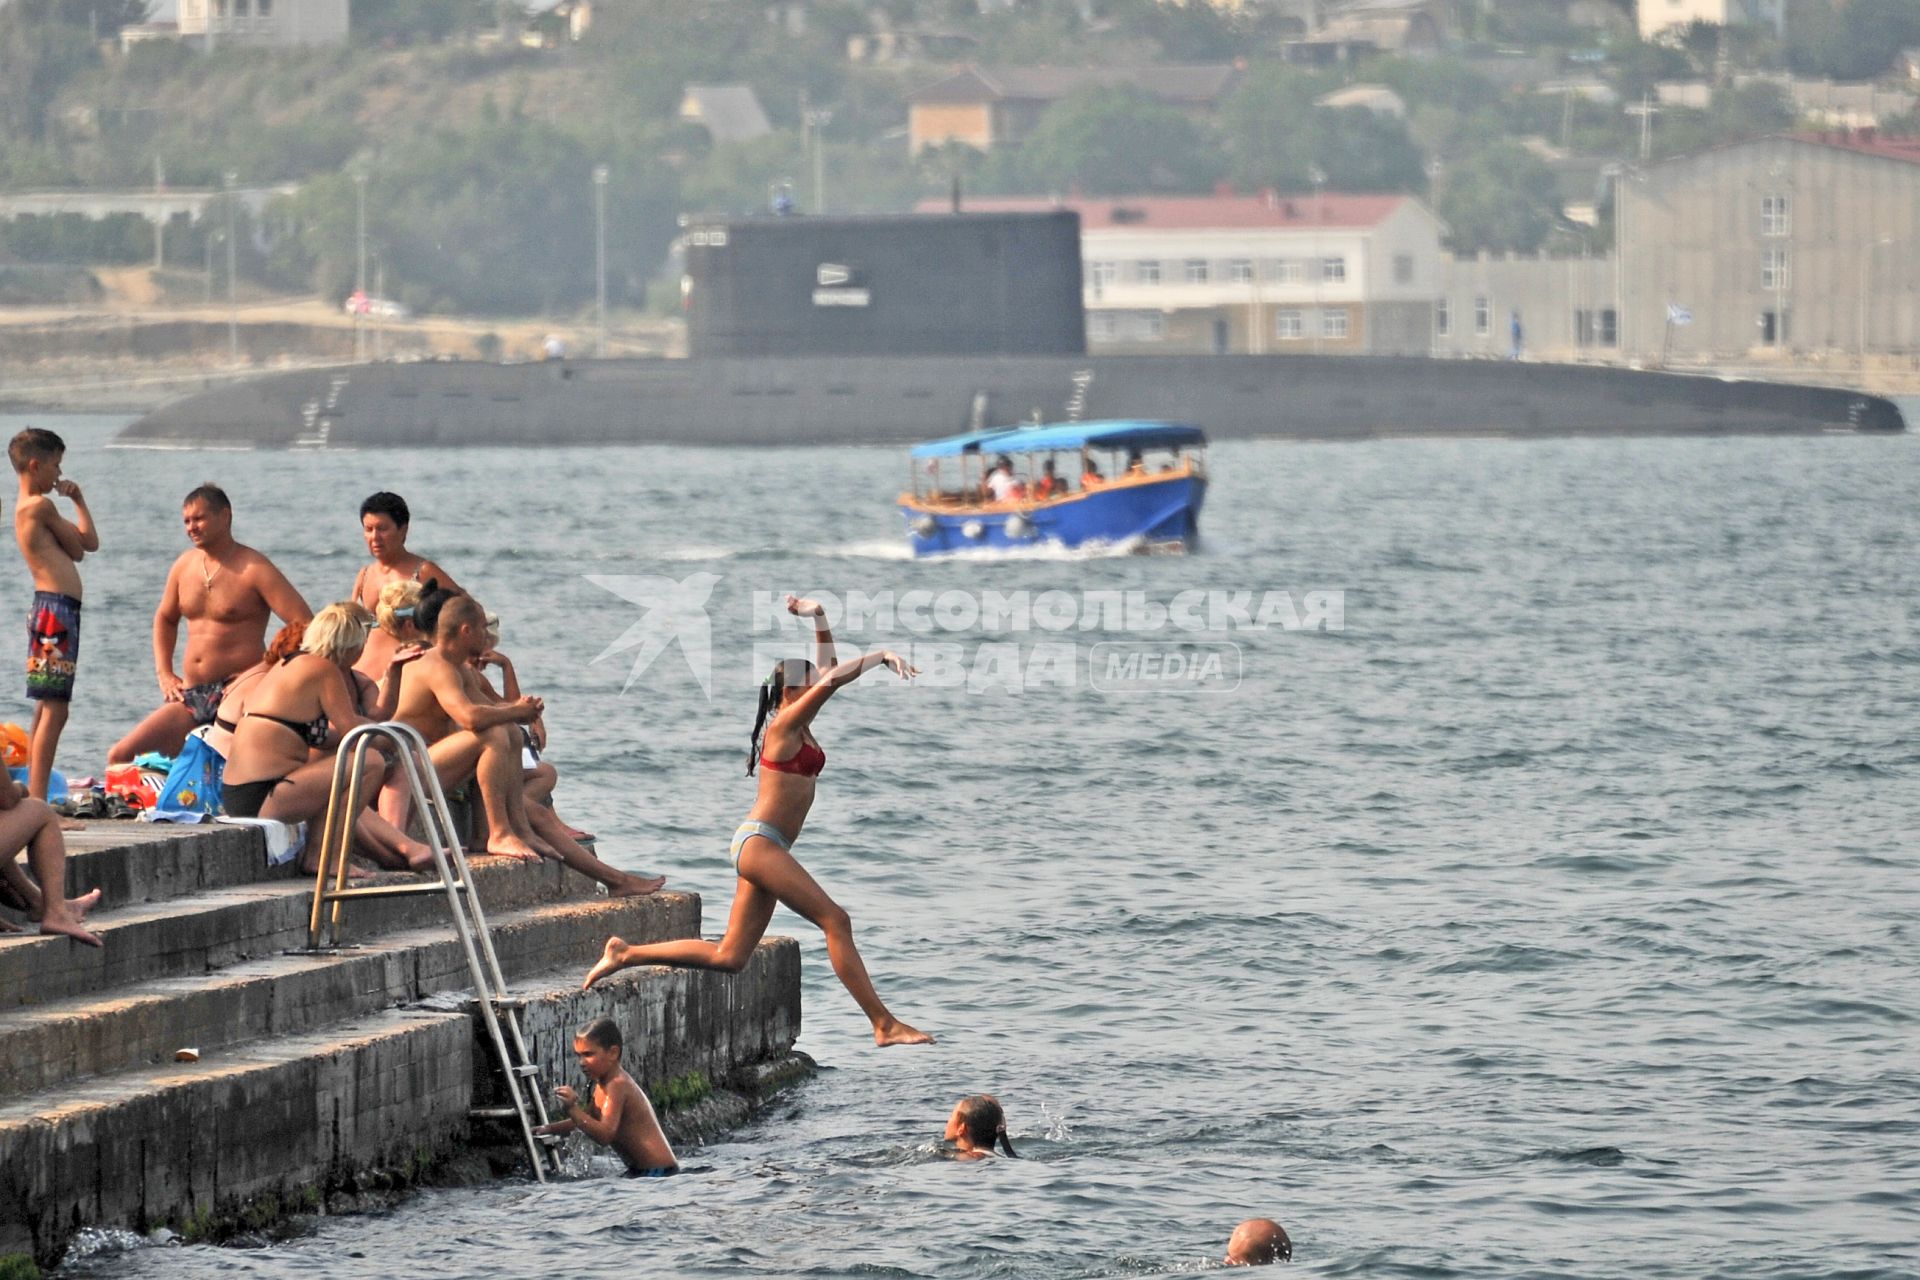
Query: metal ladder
point(497, 1010)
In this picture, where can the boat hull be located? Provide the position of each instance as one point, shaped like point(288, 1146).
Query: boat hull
point(1145, 515)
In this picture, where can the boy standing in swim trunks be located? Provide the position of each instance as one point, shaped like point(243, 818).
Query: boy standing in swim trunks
point(618, 1115)
point(52, 546)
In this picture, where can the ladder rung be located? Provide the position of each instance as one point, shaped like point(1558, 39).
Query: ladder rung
point(392, 891)
point(493, 1113)
point(530, 1069)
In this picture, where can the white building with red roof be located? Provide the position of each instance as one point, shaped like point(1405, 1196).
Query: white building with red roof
point(1266, 273)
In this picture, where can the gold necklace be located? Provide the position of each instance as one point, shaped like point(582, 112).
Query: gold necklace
point(206, 574)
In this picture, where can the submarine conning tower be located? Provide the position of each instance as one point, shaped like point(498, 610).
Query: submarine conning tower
point(885, 285)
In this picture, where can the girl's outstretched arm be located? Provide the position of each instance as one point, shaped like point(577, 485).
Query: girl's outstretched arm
point(808, 704)
point(823, 655)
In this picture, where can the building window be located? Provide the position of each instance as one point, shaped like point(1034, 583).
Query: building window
point(1333, 270)
point(1289, 325)
point(1286, 270)
point(1240, 271)
point(1482, 317)
point(1146, 271)
point(1333, 324)
point(1403, 268)
point(263, 8)
point(1773, 216)
point(1102, 326)
point(1196, 270)
point(1149, 326)
point(1442, 318)
point(1609, 328)
point(1773, 269)
point(1105, 274)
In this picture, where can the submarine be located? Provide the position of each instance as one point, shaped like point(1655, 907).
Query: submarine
point(891, 329)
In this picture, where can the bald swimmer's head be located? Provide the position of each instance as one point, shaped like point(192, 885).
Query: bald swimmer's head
point(1258, 1241)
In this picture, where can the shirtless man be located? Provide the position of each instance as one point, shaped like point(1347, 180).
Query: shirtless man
point(226, 591)
point(383, 523)
point(470, 734)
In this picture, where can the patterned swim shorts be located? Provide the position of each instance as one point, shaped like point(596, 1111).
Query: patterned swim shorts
point(53, 645)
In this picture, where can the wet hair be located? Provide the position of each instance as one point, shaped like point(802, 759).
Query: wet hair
point(390, 505)
point(286, 642)
point(604, 1032)
point(985, 1123)
point(210, 493)
point(788, 672)
point(399, 604)
point(336, 631)
point(433, 599)
point(34, 442)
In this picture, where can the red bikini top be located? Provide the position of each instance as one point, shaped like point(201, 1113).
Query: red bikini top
point(808, 761)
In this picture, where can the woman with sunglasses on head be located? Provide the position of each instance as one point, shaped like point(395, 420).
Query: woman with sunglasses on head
point(790, 761)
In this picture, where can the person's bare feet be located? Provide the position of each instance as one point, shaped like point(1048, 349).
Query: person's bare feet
point(78, 907)
point(419, 858)
point(8, 926)
point(629, 886)
point(310, 866)
point(609, 962)
point(70, 929)
point(898, 1032)
point(72, 824)
point(512, 846)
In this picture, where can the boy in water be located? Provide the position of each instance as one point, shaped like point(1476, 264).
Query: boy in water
point(1258, 1242)
point(52, 546)
point(619, 1115)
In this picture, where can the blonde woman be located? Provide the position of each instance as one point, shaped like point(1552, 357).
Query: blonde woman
point(281, 764)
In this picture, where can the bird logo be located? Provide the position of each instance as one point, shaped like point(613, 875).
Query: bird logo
point(675, 611)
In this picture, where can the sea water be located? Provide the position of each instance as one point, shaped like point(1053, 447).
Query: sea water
point(1554, 914)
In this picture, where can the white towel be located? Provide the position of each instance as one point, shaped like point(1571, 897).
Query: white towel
point(284, 842)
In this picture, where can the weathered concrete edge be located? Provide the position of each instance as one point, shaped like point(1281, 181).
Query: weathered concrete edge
point(313, 1124)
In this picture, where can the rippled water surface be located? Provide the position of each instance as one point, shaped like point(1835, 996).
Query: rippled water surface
point(1557, 917)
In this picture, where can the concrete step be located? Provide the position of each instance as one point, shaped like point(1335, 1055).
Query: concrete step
point(144, 1023)
point(273, 1126)
point(186, 936)
point(175, 1144)
point(134, 862)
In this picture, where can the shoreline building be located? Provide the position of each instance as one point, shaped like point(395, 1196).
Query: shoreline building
point(264, 22)
point(988, 107)
point(1792, 244)
point(1264, 274)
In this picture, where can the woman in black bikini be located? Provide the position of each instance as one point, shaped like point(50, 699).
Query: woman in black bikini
point(769, 875)
point(299, 708)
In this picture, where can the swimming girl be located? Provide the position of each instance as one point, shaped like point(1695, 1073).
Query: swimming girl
point(975, 1125)
point(790, 763)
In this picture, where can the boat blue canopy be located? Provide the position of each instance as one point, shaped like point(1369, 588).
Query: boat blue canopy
point(1065, 436)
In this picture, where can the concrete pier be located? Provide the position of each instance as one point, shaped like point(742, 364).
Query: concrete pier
point(317, 1076)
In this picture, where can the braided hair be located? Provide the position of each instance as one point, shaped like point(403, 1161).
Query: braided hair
point(772, 689)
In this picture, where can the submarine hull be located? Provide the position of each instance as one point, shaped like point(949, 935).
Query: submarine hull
point(809, 400)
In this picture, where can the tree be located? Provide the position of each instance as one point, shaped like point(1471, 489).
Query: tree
point(1116, 140)
point(39, 53)
point(1500, 198)
point(1276, 137)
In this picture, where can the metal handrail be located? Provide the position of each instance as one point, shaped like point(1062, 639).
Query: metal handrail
point(463, 904)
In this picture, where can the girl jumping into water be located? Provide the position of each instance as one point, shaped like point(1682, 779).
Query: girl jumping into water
point(790, 762)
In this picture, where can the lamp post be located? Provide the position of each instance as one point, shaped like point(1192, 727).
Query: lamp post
point(360, 267)
point(1318, 266)
point(227, 180)
point(600, 174)
point(1866, 264)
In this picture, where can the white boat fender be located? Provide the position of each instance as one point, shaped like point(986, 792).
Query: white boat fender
point(926, 526)
point(1019, 527)
point(973, 529)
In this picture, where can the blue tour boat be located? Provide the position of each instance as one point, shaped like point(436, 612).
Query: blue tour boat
point(1132, 485)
